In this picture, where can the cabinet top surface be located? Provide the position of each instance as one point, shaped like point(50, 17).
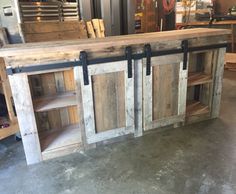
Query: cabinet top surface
point(108, 42)
point(206, 23)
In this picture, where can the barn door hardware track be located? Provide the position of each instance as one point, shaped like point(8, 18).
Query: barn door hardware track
point(128, 55)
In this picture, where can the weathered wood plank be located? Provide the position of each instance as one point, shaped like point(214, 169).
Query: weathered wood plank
point(70, 86)
point(45, 31)
point(60, 86)
point(112, 42)
point(98, 52)
point(182, 93)
point(147, 93)
point(25, 112)
point(138, 97)
point(218, 84)
point(165, 122)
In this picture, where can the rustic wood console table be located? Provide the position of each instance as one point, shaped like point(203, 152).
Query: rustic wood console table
point(121, 85)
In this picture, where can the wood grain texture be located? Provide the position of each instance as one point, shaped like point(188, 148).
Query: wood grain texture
point(138, 97)
point(57, 101)
point(199, 78)
point(49, 31)
point(26, 118)
point(217, 88)
point(196, 108)
point(52, 31)
point(109, 42)
point(165, 91)
point(69, 81)
point(108, 51)
point(108, 101)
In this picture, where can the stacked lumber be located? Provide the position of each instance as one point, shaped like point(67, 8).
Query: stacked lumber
point(95, 28)
point(230, 61)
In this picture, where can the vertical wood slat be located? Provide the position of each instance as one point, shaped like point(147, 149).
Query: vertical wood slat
point(88, 112)
point(26, 118)
point(60, 86)
point(183, 84)
point(218, 83)
point(147, 93)
point(49, 88)
point(77, 78)
point(129, 98)
point(70, 85)
point(138, 97)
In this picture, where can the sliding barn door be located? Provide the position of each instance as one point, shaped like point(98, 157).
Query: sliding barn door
point(108, 101)
point(164, 92)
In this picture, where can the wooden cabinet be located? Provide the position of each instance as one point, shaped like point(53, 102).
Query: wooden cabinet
point(65, 105)
point(203, 71)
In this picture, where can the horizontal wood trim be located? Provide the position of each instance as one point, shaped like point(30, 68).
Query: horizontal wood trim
point(113, 133)
point(165, 122)
point(108, 42)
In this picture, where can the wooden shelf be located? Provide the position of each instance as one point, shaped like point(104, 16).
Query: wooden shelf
point(47, 103)
point(11, 130)
point(198, 79)
point(196, 108)
point(58, 139)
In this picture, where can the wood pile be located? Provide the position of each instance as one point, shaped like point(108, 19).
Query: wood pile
point(95, 28)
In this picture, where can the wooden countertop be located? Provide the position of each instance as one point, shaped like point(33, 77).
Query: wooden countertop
point(205, 23)
point(106, 43)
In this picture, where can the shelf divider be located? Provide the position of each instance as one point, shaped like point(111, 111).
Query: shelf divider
point(198, 78)
point(48, 103)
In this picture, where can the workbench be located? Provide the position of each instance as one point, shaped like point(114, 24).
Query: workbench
point(120, 86)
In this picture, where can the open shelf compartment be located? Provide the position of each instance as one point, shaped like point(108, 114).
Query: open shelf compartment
point(196, 108)
point(59, 138)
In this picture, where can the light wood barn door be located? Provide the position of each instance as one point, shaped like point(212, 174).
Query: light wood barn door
point(108, 101)
point(164, 92)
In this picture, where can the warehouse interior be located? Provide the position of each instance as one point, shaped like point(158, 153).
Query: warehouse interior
point(117, 96)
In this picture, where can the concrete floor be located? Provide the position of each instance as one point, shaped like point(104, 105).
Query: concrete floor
point(196, 159)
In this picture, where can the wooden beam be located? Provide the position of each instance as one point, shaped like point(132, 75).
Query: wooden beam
point(26, 118)
point(218, 80)
point(108, 42)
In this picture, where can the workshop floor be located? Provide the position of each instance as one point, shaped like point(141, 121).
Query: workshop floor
point(196, 159)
